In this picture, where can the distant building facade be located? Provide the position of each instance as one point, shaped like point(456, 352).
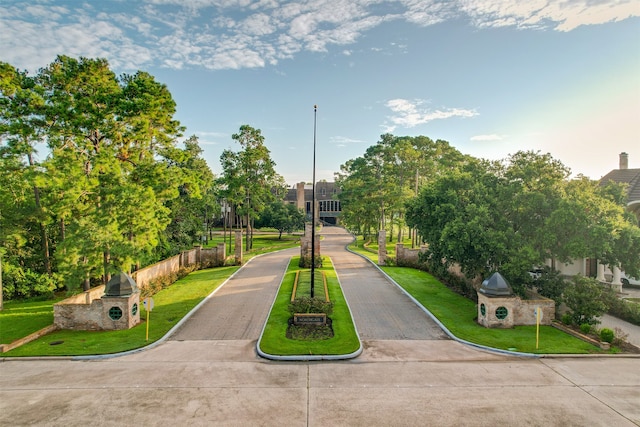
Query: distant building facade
point(591, 267)
point(631, 177)
point(327, 204)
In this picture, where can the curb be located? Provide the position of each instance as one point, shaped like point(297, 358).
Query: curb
point(309, 357)
point(487, 348)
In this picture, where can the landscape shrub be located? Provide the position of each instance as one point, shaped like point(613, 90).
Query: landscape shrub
point(310, 305)
point(19, 283)
point(625, 310)
point(305, 262)
point(586, 299)
point(606, 335)
point(585, 328)
point(567, 319)
point(161, 282)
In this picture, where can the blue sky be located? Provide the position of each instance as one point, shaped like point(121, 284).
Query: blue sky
point(491, 77)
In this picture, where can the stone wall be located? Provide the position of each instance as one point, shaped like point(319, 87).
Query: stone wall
point(204, 257)
point(519, 311)
point(162, 268)
point(407, 257)
point(74, 314)
point(90, 310)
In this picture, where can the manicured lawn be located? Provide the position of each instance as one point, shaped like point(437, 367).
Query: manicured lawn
point(457, 313)
point(170, 305)
point(262, 243)
point(21, 318)
point(274, 340)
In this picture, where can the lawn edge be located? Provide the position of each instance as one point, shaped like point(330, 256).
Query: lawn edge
point(309, 357)
point(493, 349)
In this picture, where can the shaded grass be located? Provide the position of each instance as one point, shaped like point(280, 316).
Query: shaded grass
point(274, 340)
point(458, 314)
point(262, 243)
point(304, 284)
point(170, 305)
point(21, 318)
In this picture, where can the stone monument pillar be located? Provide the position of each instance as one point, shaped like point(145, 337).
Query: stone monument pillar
point(382, 247)
point(238, 247)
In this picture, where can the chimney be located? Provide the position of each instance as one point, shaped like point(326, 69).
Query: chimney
point(624, 160)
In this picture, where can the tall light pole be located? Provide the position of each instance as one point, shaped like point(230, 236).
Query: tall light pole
point(313, 205)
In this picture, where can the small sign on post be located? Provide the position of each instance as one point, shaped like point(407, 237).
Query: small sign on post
point(148, 306)
point(538, 314)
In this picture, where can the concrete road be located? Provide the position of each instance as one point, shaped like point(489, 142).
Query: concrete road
point(240, 308)
point(394, 383)
point(381, 311)
point(209, 375)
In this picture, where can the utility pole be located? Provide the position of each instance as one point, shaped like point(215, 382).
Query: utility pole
point(313, 206)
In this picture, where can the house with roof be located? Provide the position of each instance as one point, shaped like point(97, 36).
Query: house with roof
point(631, 177)
point(590, 266)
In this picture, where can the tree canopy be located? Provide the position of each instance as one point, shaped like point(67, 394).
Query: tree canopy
point(106, 190)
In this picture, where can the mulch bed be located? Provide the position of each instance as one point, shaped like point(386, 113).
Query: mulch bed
point(309, 332)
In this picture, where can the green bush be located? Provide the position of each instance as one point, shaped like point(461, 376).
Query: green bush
point(305, 262)
point(606, 335)
point(585, 328)
point(625, 310)
point(310, 305)
point(586, 298)
point(19, 283)
point(566, 319)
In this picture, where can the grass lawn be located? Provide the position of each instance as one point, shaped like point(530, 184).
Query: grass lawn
point(274, 340)
point(21, 318)
point(457, 313)
point(170, 305)
point(262, 242)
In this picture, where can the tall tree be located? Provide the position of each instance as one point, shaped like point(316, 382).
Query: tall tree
point(249, 176)
point(22, 128)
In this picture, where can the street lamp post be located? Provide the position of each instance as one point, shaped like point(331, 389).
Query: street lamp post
point(313, 206)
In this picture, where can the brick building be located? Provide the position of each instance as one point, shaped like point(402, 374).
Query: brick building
point(327, 204)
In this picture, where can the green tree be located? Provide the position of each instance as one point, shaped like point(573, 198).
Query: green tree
point(376, 187)
point(196, 203)
point(284, 217)
point(22, 129)
point(249, 178)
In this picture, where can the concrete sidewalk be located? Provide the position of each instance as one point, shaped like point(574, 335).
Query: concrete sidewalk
point(406, 382)
point(632, 331)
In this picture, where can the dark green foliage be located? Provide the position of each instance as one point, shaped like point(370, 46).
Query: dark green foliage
point(567, 319)
point(625, 310)
point(606, 335)
point(19, 283)
point(310, 305)
point(284, 217)
point(586, 299)
point(551, 285)
point(305, 262)
point(585, 328)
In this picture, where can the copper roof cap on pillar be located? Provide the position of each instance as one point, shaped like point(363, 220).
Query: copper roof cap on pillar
point(120, 285)
point(496, 286)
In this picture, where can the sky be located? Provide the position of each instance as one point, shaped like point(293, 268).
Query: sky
point(491, 77)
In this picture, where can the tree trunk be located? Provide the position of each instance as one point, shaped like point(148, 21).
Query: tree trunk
point(106, 259)
point(86, 285)
point(43, 230)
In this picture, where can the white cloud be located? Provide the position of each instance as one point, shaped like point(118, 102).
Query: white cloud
point(489, 137)
point(342, 141)
point(561, 15)
point(409, 113)
point(198, 33)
